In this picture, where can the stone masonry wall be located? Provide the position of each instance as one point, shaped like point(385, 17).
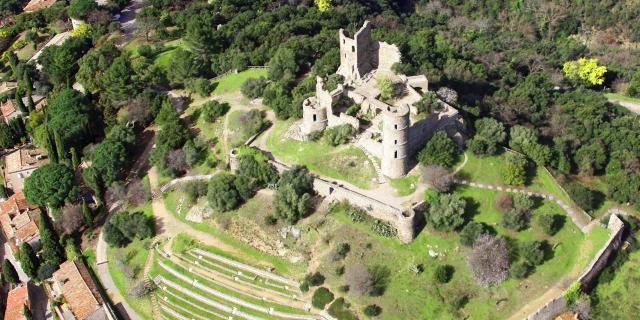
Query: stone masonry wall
point(558, 304)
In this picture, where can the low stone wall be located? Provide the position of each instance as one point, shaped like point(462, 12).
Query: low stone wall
point(586, 279)
point(405, 221)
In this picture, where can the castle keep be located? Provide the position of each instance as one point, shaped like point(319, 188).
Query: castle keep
point(393, 130)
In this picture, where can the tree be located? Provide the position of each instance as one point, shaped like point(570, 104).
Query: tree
point(443, 273)
point(28, 260)
point(323, 5)
point(585, 71)
point(489, 134)
point(372, 310)
point(583, 196)
point(471, 232)
point(428, 103)
point(532, 252)
point(80, 9)
point(447, 213)
point(489, 260)
point(20, 103)
point(9, 273)
point(50, 185)
point(253, 87)
point(52, 252)
point(521, 269)
point(71, 219)
point(549, 223)
point(291, 205)
point(147, 19)
point(359, 279)
point(68, 114)
point(110, 159)
point(203, 35)
point(440, 150)
point(514, 172)
point(591, 158)
point(184, 65)
point(59, 63)
point(634, 85)
point(119, 80)
point(338, 135)
point(282, 63)
point(515, 219)
point(222, 194)
point(386, 88)
point(321, 297)
point(213, 110)
point(438, 178)
point(124, 227)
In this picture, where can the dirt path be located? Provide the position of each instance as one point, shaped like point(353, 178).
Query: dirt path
point(168, 226)
point(632, 106)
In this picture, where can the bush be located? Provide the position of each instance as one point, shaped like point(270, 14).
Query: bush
point(254, 87)
point(532, 252)
point(213, 110)
point(438, 178)
point(472, 231)
point(572, 294)
point(315, 135)
point(448, 213)
point(270, 220)
point(314, 279)
point(514, 173)
point(443, 273)
point(428, 103)
point(383, 228)
point(338, 135)
point(342, 249)
point(222, 194)
point(550, 223)
point(504, 202)
point(146, 51)
point(321, 298)
point(440, 150)
point(339, 270)
point(521, 269)
point(372, 310)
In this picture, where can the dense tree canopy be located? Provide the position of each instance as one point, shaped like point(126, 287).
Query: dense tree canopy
point(50, 185)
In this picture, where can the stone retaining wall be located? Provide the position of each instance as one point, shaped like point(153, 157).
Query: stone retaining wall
point(599, 262)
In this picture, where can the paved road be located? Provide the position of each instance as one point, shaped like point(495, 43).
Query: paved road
point(124, 309)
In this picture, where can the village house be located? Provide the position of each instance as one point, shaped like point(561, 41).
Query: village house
point(16, 300)
point(75, 294)
point(19, 164)
point(10, 110)
point(19, 222)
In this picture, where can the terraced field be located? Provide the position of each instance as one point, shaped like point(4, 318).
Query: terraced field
point(201, 285)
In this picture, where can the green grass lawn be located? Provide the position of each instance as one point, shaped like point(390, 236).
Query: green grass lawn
point(488, 170)
point(418, 296)
point(346, 163)
point(405, 186)
point(233, 81)
point(616, 96)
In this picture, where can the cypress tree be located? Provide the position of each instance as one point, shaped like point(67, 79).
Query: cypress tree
point(60, 150)
point(28, 260)
point(75, 158)
point(20, 103)
point(86, 213)
point(52, 251)
point(27, 89)
point(51, 148)
point(9, 272)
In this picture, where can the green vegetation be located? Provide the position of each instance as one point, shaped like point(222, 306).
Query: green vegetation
point(126, 269)
point(344, 163)
point(242, 125)
point(406, 185)
point(321, 297)
point(233, 81)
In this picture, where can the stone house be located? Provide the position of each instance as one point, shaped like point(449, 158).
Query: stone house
point(75, 293)
point(9, 110)
point(19, 164)
point(17, 298)
point(19, 222)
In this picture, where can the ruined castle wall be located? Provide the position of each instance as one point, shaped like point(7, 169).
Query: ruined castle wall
point(388, 55)
point(421, 131)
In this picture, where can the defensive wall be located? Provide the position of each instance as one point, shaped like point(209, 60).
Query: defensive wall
point(558, 304)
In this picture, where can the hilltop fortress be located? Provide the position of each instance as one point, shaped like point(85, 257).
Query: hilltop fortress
point(391, 130)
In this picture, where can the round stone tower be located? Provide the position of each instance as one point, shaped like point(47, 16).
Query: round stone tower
point(395, 141)
point(234, 162)
point(314, 117)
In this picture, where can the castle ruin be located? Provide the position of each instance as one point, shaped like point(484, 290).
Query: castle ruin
point(391, 130)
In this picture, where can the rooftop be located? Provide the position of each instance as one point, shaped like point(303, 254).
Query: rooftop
point(16, 299)
point(80, 292)
point(20, 163)
point(35, 5)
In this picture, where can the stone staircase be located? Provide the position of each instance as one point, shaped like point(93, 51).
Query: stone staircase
point(376, 166)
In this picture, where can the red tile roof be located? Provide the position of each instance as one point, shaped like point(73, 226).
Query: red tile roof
point(78, 289)
point(16, 299)
point(18, 219)
point(8, 108)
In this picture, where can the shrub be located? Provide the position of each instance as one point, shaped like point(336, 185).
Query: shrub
point(472, 231)
point(314, 279)
point(372, 310)
point(343, 289)
point(504, 202)
point(383, 228)
point(583, 196)
point(222, 194)
point(533, 252)
point(338, 135)
point(340, 270)
point(353, 110)
point(213, 110)
point(522, 202)
point(489, 260)
point(254, 87)
point(146, 51)
point(443, 273)
point(342, 249)
point(440, 150)
point(270, 220)
point(438, 178)
point(321, 298)
point(572, 294)
point(514, 173)
point(550, 223)
point(314, 135)
point(123, 227)
point(521, 269)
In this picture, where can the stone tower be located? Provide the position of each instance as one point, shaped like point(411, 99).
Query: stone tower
point(395, 141)
point(355, 54)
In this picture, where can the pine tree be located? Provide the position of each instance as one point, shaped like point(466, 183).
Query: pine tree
point(20, 103)
point(9, 272)
point(28, 260)
point(60, 149)
point(52, 251)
